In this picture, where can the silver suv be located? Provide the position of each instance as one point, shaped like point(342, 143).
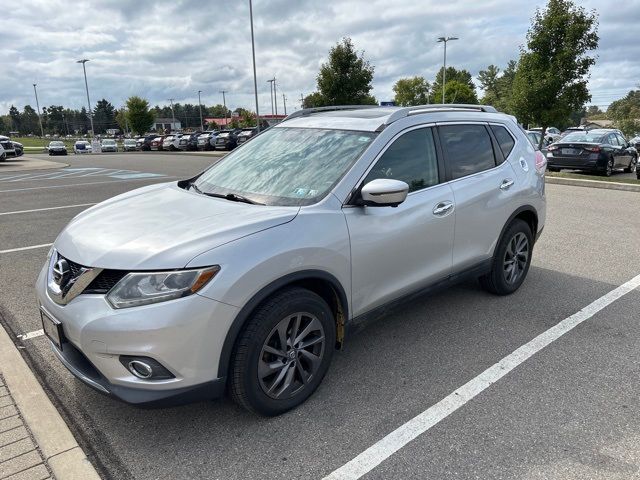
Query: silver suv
point(250, 274)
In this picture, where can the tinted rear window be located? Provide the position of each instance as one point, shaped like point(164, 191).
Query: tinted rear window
point(505, 140)
point(468, 149)
point(582, 137)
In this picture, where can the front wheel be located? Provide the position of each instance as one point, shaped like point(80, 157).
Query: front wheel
point(633, 166)
point(283, 353)
point(511, 260)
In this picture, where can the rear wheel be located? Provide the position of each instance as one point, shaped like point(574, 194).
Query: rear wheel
point(511, 260)
point(283, 353)
point(608, 171)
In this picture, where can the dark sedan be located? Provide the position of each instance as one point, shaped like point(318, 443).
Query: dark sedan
point(57, 148)
point(600, 150)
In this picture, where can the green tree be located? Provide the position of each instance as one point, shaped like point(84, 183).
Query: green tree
point(625, 113)
point(30, 122)
point(456, 92)
point(411, 91)
point(138, 115)
point(551, 78)
point(121, 119)
point(313, 100)
point(489, 81)
point(345, 79)
point(453, 74)
point(16, 123)
point(104, 116)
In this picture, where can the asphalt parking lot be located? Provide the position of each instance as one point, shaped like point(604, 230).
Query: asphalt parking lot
point(569, 411)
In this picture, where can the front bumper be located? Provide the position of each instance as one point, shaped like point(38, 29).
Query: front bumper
point(185, 335)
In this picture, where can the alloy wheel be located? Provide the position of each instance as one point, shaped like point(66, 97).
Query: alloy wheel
point(515, 258)
point(291, 355)
point(609, 170)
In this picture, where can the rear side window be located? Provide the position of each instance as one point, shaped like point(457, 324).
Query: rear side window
point(505, 140)
point(411, 158)
point(468, 149)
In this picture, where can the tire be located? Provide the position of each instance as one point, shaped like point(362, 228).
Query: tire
point(259, 347)
point(633, 166)
point(608, 171)
point(501, 280)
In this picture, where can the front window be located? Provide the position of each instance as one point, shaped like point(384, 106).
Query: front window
point(286, 166)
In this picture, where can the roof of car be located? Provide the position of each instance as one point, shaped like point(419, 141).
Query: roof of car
point(373, 118)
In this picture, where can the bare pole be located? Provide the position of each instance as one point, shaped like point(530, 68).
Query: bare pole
point(270, 82)
point(200, 107)
point(275, 95)
point(86, 86)
point(301, 101)
point(444, 70)
point(38, 107)
point(284, 100)
point(224, 104)
point(173, 115)
point(253, 54)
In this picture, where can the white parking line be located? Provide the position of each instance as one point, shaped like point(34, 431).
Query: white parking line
point(79, 184)
point(47, 208)
point(387, 446)
point(26, 248)
point(34, 334)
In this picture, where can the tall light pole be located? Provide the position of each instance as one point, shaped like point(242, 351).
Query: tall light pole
point(301, 101)
point(271, 93)
point(200, 107)
point(86, 85)
point(284, 100)
point(444, 70)
point(173, 115)
point(275, 95)
point(253, 53)
point(38, 107)
point(224, 104)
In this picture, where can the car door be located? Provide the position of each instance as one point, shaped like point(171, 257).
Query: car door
point(625, 155)
point(483, 187)
point(617, 150)
point(398, 250)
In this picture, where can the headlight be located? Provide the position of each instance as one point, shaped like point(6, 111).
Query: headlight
point(137, 289)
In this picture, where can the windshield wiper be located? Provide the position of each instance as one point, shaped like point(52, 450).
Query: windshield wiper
point(234, 197)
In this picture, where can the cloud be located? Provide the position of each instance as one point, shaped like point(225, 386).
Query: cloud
point(172, 49)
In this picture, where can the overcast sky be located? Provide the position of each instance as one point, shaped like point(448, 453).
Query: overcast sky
point(172, 49)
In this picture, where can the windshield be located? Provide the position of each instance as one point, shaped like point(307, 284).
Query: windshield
point(582, 137)
point(56, 144)
point(108, 142)
point(286, 166)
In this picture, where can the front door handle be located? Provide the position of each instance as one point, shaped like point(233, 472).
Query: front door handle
point(442, 208)
point(506, 184)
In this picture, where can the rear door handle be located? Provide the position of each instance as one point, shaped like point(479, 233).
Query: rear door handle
point(443, 208)
point(506, 184)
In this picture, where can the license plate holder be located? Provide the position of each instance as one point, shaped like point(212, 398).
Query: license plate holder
point(52, 329)
point(570, 151)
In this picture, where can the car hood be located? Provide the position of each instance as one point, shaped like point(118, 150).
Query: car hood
point(161, 227)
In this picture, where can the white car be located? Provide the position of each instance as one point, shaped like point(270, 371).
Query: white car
point(552, 134)
point(82, 146)
point(3, 154)
point(109, 145)
point(171, 142)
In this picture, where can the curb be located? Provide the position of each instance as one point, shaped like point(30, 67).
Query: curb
point(576, 182)
point(56, 442)
point(26, 164)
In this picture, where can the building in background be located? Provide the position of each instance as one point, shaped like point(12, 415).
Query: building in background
point(167, 124)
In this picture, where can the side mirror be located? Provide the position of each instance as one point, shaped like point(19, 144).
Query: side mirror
point(384, 192)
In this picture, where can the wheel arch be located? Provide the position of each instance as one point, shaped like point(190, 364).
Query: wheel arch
point(527, 213)
point(320, 282)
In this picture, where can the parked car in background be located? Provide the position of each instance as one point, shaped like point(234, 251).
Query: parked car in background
point(57, 147)
point(599, 150)
point(7, 145)
point(129, 145)
point(18, 148)
point(81, 146)
point(227, 139)
point(635, 142)
point(552, 134)
point(245, 277)
point(171, 142)
point(573, 129)
point(156, 143)
point(109, 145)
point(246, 134)
point(3, 154)
point(144, 142)
point(204, 140)
point(189, 141)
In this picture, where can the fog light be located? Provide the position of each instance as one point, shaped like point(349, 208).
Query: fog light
point(145, 368)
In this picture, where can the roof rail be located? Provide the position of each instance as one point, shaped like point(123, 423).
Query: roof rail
point(310, 111)
point(415, 110)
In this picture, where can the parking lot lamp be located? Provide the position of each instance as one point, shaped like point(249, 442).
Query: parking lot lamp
point(200, 107)
point(284, 100)
point(38, 107)
point(270, 82)
point(173, 115)
point(444, 70)
point(275, 95)
point(253, 53)
point(86, 86)
point(224, 104)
